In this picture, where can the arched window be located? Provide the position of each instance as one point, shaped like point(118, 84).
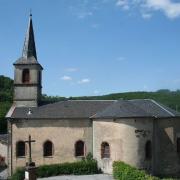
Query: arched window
point(178, 145)
point(20, 149)
point(79, 148)
point(105, 150)
point(25, 76)
point(48, 148)
point(148, 150)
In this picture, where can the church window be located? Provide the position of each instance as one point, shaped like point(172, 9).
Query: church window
point(178, 144)
point(105, 150)
point(48, 148)
point(79, 148)
point(148, 150)
point(20, 149)
point(25, 76)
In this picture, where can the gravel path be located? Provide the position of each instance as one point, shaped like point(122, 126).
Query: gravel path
point(3, 174)
point(82, 177)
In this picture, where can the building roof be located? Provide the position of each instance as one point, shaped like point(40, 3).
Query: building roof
point(95, 109)
point(136, 108)
point(62, 109)
point(4, 138)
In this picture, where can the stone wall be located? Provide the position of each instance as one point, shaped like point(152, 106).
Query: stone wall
point(63, 134)
point(127, 139)
point(27, 94)
point(167, 158)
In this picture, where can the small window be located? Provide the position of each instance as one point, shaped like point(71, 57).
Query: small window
point(105, 150)
point(48, 148)
point(20, 149)
point(178, 145)
point(148, 150)
point(26, 76)
point(79, 148)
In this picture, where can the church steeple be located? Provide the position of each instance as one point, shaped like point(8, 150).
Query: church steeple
point(29, 48)
point(28, 72)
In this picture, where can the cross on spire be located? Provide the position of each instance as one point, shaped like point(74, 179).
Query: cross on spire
point(29, 48)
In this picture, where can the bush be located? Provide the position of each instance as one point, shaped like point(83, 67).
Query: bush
point(75, 168)
point(18, 175)
point(122, 171)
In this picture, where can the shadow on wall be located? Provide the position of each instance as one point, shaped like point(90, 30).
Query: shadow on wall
point(167, 157)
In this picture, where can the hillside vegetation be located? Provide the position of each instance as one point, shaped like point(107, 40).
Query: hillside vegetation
point(164, 96)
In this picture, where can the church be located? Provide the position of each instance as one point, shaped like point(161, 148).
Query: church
point(142, 133)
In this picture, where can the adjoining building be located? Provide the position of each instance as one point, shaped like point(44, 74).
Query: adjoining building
point(143, 133)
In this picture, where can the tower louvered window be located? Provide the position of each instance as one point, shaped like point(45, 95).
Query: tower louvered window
point(26, 76)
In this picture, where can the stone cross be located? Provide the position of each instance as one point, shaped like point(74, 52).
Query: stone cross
point(29, 143)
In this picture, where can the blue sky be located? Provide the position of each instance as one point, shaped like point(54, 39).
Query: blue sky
point(95, 47)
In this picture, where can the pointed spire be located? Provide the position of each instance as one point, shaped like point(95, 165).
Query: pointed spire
point(29, 48)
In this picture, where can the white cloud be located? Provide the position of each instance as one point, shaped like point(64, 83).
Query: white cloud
point(168, 7)
point(124, 4)
point(146, 16)
point(176, 81)
point(95, 26)
point(120, 59)
point(145, 87)
point(82, 15)
point(84, 81)
point(66, 78)
point(171, 9)
point(96, 92)
point(71, 69)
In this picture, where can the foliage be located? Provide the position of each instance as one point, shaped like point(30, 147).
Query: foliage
point(4, 107)
point(76, 168)
point(122, 171)
point(51, 99)
point(6, 89)
point(89, 157)
point(19, 174)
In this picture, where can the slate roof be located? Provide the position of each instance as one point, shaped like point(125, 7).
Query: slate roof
point(29, 60)
point(62, 109)
point(4, 138)
point(96, 109)
point(29, 55)
point(136, 108)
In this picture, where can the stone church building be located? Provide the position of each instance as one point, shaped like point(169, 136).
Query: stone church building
point(142, 133)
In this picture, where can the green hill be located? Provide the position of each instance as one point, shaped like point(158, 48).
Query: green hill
point(6, 96)
point(164, 96)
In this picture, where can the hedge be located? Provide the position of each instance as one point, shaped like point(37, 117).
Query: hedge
point(75, 168)
point(122, 171)
point(18, 175)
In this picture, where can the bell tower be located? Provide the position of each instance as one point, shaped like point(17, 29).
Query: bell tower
point(27, 73)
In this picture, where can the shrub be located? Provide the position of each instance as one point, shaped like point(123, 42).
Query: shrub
point(19, 174)
point(122, 171)
point(76, 168)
